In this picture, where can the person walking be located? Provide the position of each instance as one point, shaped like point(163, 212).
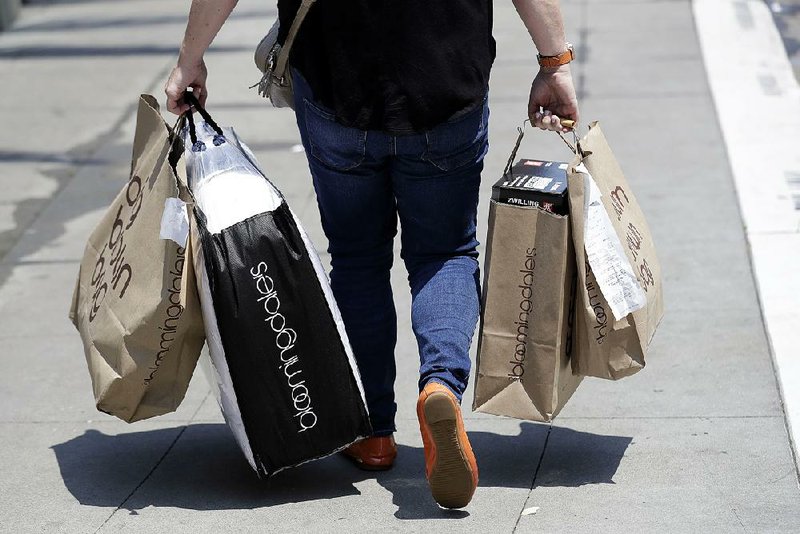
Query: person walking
point(391, 100)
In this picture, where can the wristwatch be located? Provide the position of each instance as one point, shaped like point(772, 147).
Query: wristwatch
point(556, 61)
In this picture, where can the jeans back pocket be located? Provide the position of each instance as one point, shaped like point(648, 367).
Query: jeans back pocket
point(334, 145)
point(456, 143)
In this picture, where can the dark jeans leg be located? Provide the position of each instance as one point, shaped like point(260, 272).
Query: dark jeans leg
point(359, 217)
point(437, 199)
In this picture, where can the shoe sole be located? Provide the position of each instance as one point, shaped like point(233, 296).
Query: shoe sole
point(451, 478)
point(367, 467)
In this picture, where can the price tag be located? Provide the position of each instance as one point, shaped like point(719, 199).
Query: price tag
point(175, 221)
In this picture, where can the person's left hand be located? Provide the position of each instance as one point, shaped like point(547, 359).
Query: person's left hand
point(553, 99)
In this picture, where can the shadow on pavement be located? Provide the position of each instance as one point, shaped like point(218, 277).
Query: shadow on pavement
point(31, 156)
point(206, 471)
point(82, 24)
point(61, 51)
point(576, 459)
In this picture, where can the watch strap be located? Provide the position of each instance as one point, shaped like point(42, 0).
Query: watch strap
point(556, 61)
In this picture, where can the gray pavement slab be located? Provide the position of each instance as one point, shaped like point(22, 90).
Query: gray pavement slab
point(35, 299)
point(676, 475)
point(695, 442)
point(608, 76)
point(40, 461)
point(9, 9)
point(638, 17)
point(25, 357)
point(37, 370)
point(75, 210)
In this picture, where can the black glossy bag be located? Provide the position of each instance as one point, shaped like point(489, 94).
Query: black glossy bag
point(280, 341)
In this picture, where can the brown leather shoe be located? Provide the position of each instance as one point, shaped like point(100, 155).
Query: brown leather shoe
point(373, 454)
point(450, 464)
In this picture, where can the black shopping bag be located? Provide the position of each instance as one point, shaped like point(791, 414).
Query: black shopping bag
point(298, 397)
point(285, 374)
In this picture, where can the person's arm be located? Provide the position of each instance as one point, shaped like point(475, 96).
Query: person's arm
point(206, 17)
point(553, 89)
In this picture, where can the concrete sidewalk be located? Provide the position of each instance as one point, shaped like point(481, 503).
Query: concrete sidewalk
point(696, 442)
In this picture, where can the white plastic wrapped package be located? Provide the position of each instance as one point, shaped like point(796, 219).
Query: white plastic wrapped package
point(284, 372)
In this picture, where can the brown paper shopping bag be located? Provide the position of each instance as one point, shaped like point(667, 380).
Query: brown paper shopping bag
point(523, 367)
point(524, 345)
point(620, 301)
point(135, 302)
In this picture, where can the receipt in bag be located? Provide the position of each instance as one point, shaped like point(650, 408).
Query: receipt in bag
point(620, 300)
point(606, 256)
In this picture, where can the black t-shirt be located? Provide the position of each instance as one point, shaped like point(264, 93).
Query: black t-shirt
point(400, 66)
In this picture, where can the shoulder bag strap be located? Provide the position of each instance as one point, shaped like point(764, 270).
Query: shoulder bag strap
point(283, 56)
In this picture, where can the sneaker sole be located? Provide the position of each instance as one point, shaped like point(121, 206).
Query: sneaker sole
point(451, 478)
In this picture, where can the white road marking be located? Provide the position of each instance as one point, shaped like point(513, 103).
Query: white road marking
point(758, 103)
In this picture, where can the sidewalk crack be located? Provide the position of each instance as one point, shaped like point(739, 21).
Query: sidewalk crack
point(535, 476)
point(145, 479)
point(157, 464)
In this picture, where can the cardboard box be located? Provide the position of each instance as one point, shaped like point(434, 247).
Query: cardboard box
point(535, 183)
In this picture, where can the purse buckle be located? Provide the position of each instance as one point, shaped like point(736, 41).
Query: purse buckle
point(272, 58)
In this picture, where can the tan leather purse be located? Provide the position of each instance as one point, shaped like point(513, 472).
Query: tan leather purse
point(272, 60)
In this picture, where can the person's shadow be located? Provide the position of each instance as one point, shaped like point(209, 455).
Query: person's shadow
point(205, 470)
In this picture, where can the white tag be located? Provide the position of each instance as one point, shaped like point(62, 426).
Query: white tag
point(175, 221)
point(604, 252)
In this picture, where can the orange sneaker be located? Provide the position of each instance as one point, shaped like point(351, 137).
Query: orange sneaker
point(450, 464)
point(373, 454)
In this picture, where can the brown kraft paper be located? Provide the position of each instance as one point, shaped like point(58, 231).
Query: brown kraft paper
point(605, 347)
point(523, 367)
point(135, 302)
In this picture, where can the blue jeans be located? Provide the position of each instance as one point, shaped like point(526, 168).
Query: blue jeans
point(364, 181)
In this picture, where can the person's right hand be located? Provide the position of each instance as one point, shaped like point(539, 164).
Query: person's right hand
point(554, 92)
point(184, 75)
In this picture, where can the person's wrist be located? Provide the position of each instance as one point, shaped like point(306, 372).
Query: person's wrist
point(187, 58)
point(555, 70)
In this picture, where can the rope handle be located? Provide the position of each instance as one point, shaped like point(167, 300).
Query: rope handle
point(199, 146)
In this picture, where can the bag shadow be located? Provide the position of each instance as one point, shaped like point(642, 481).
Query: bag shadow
point(200, 467)
point(571, 459)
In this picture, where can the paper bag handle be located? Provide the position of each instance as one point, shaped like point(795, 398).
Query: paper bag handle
point(521, 129)
point(176, 151)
